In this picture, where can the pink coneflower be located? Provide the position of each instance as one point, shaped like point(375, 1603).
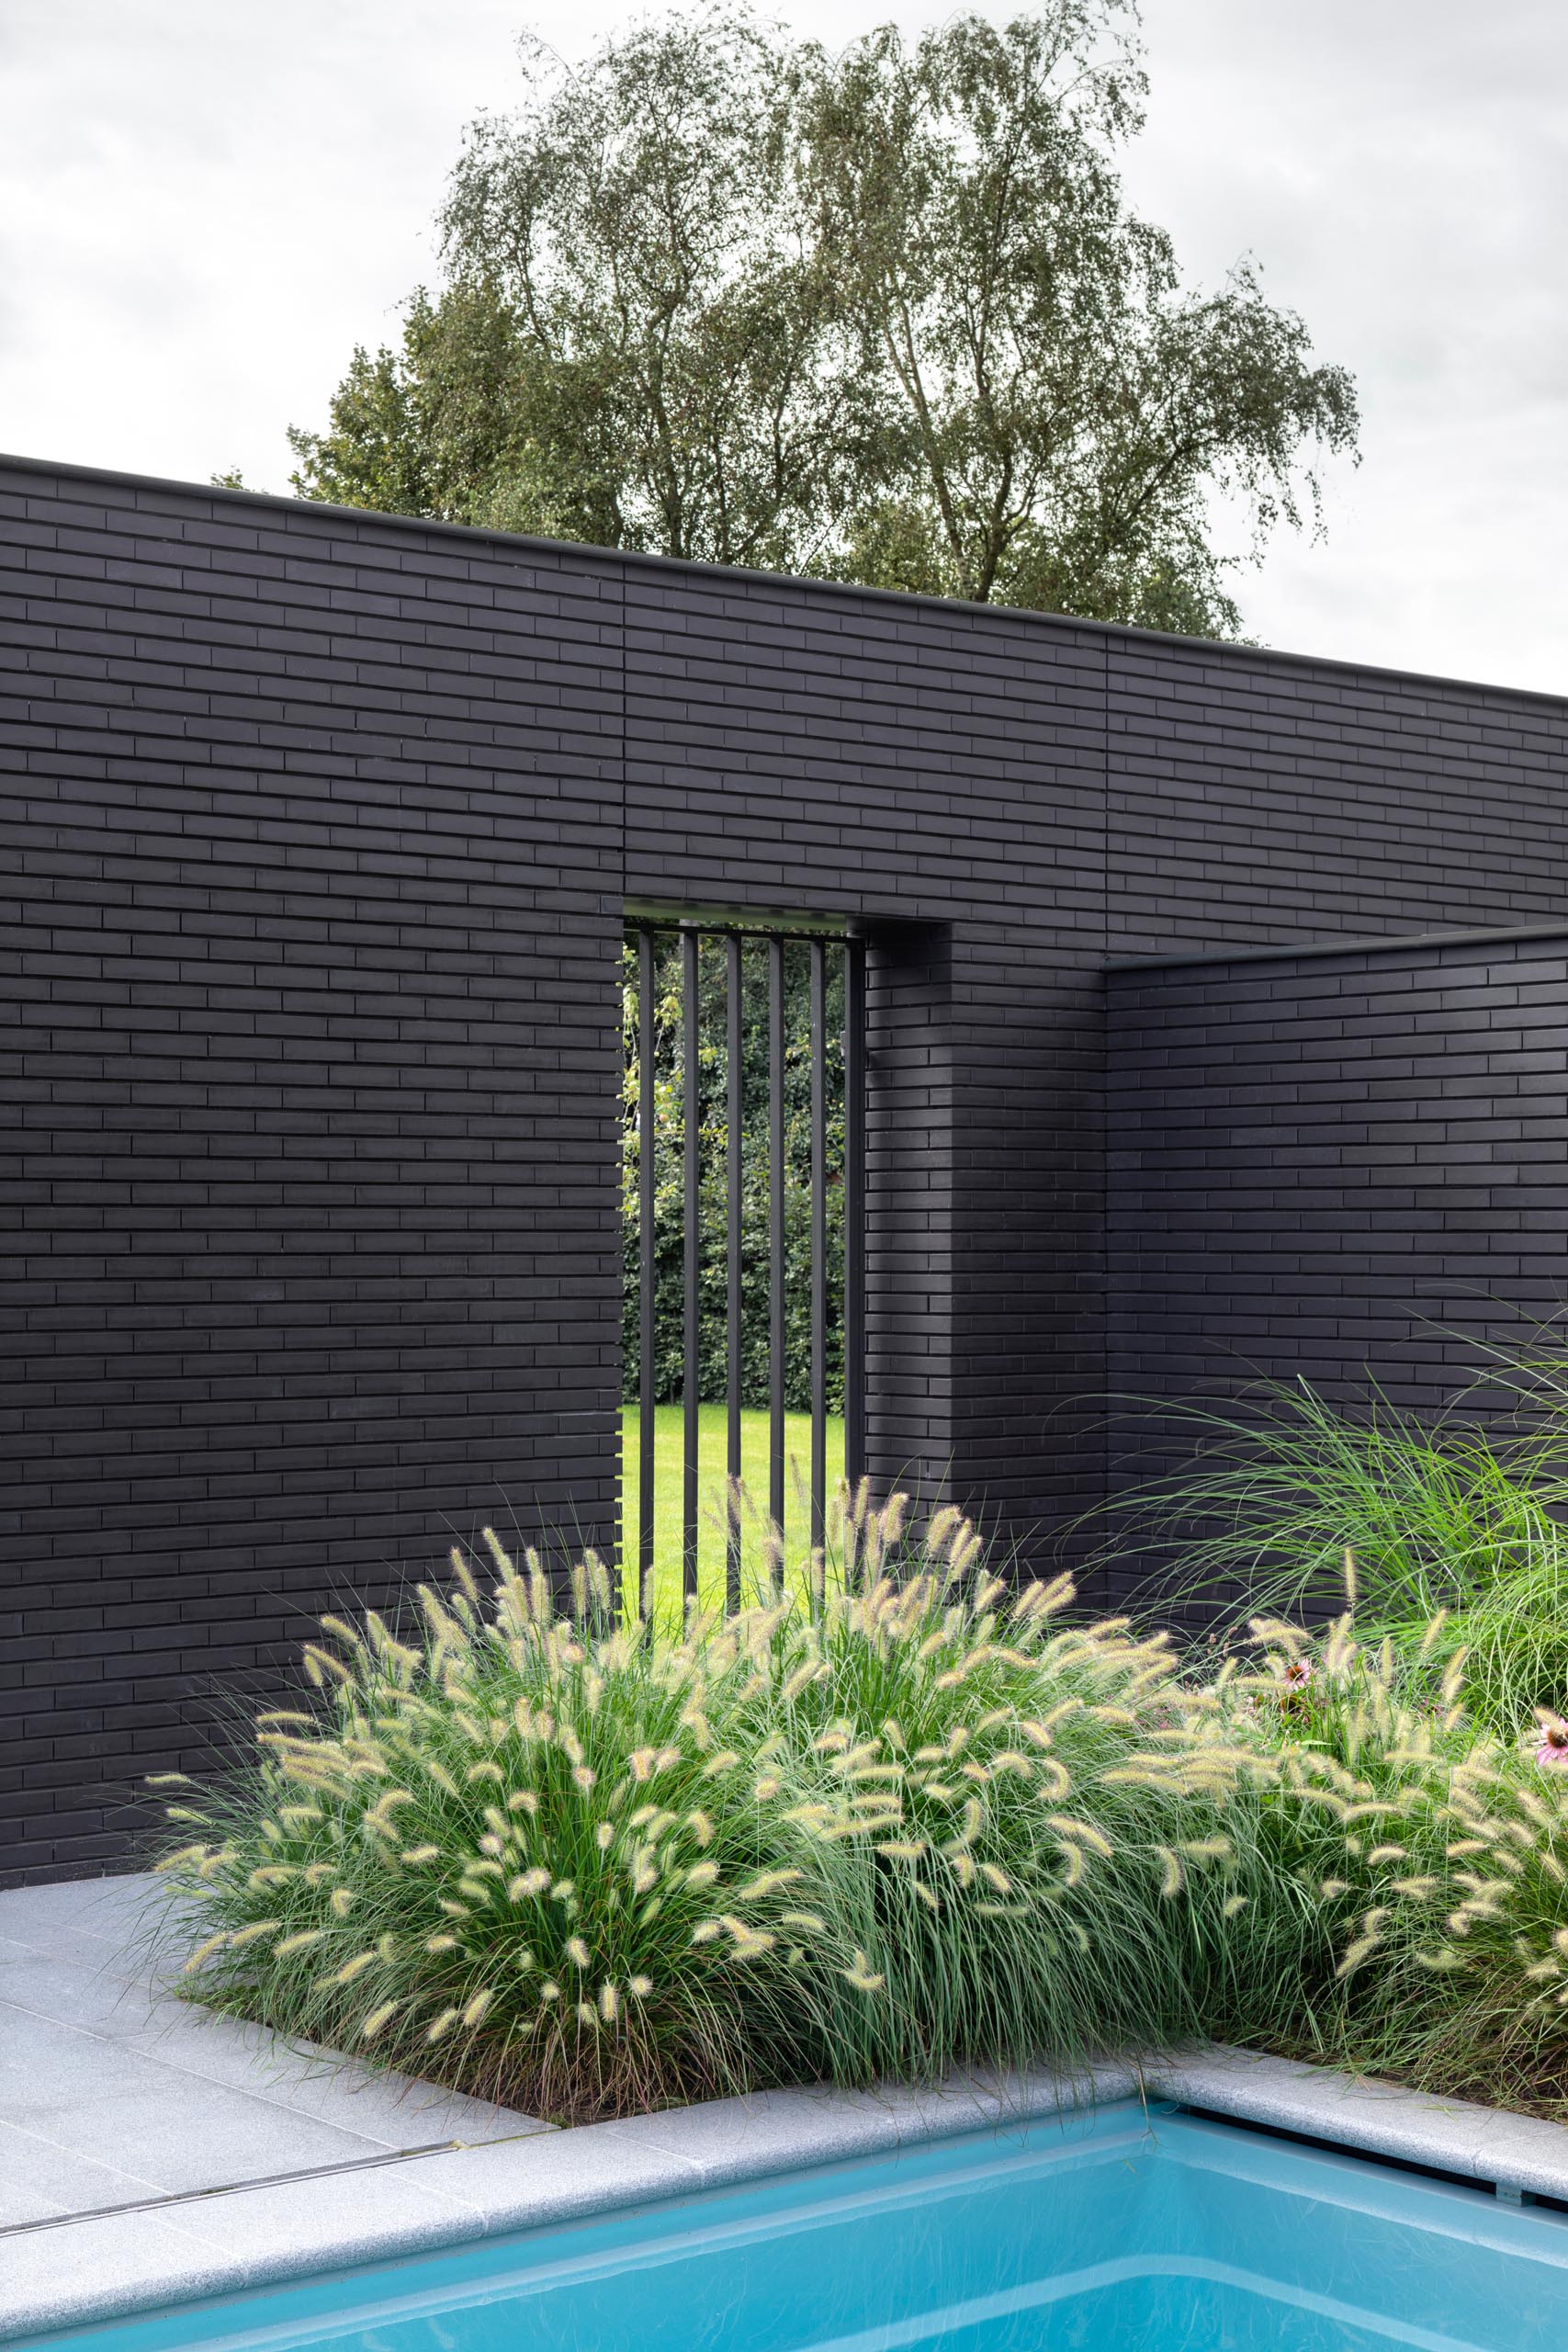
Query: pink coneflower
point(1298, 1674)
point(1552, 1752)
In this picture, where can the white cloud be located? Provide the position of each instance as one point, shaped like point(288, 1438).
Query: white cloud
point(203, 208)
point(1399, 167)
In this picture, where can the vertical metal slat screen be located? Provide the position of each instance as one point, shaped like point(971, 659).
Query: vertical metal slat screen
point(777, 1363)
point(735, 1175)
point(854, 1211)
point(646, 1199)
point(728, 1118)
point(818, 1018)
point(691, 1303)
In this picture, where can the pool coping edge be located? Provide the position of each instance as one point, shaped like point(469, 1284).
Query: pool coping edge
point(1521, 2154)
point(90, 2271)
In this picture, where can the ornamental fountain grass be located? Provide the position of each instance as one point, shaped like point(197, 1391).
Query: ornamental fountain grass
point(893, 1817)
point(1447, 1517)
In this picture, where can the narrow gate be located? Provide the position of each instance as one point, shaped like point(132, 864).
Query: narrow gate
point(744, 1214)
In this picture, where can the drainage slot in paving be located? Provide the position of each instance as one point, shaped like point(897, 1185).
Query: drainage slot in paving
point(228, 2188)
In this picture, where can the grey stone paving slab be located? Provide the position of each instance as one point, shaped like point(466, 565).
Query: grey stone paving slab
point(308, 2081)
point(335, 2220)
point(738, 2139)
point(22, 2205)
point(108, 1910)
point(97, 2269)
point(119, 2082)
point(1524, 2151)
point(73, 1994)
point(526, 2184)
point(390, 2111)
point(735, 2139)
point(39, 2183)
point(47, 2069)
point(185, 2144)
point(400, 2113)
point(117, 1928)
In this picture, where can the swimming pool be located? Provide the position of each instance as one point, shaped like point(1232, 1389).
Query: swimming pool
point(1120, 2230)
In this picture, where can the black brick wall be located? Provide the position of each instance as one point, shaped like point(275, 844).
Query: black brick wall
point(1323, 1164)
point(320, 826)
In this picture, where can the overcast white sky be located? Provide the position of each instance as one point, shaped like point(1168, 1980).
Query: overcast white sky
point(204, 204)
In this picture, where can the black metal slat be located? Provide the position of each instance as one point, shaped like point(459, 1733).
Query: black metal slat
point(854, 1211)
point(818, 1241)
point(646, 1174)
point(735, 1086)
point(775, 1232)
point(853, 1262)
point(691, 1140)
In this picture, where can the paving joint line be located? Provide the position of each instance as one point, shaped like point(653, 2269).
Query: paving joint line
point(237, 2187)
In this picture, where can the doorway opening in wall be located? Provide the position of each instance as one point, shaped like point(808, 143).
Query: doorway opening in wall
point(743, 1158)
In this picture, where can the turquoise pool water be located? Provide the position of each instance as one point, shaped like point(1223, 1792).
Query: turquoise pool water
point(1121, 2233)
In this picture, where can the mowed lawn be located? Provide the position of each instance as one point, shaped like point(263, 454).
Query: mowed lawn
point(712, 1458)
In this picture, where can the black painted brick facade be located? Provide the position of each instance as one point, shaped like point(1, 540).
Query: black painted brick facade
point(1325, 1164)
point(320, 826)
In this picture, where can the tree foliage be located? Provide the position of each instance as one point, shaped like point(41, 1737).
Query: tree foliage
point(883, 316)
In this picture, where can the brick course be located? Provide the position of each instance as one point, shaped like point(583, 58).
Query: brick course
point(320, 826)
point(1325, 1164)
